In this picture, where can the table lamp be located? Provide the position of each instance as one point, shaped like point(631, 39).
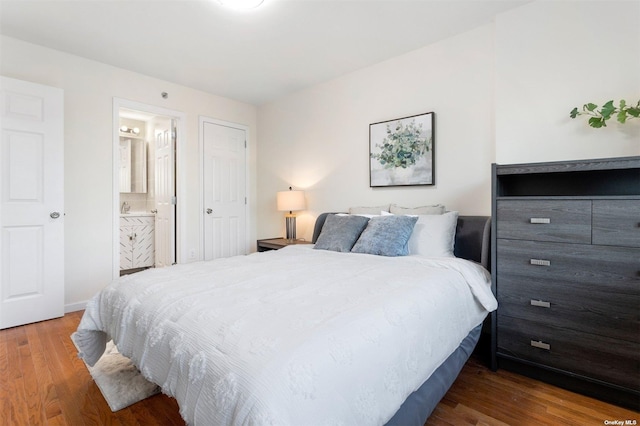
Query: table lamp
point(290, 201)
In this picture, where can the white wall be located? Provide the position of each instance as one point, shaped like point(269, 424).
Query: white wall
point(89, 89)
point(318, 139)
point(501, 93)
point(552, 56)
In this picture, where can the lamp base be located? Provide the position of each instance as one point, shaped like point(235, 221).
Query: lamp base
point(291, 226)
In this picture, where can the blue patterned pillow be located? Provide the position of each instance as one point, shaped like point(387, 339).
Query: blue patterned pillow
point(386, 236)
point(339, 233)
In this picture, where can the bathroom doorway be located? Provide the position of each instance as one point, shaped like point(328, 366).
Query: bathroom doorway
point(145, 187)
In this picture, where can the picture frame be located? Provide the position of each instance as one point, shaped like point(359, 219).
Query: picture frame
point(401, 151)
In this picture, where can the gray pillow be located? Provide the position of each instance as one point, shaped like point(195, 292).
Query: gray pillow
point(386, 236)
point(339, 233)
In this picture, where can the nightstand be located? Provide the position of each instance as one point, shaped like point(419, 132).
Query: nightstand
point(277, 243)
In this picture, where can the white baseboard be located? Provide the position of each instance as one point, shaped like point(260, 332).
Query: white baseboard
point(73, 307)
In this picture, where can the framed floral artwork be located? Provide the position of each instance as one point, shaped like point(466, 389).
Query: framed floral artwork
point(401, 151)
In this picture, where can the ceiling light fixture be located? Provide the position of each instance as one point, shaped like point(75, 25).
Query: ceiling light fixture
point(241, 4)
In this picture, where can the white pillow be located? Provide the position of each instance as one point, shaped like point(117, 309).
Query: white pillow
point(433, 209)
point(369, 210)
point(434, 235)
point(368, 216)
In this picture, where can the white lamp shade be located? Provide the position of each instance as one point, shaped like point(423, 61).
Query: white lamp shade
point(290, 200)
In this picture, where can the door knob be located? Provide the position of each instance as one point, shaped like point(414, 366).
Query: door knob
point(54, 215)
point(154, 211)
point(209, 211)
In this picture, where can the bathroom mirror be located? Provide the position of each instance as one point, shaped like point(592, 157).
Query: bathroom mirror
point(133, 165)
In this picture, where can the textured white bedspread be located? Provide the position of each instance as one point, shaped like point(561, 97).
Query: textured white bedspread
point(290, 337)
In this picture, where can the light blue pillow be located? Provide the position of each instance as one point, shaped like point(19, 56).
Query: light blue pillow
point(386, 236)
point(339, 233)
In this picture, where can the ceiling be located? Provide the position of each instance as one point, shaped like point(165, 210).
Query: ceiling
point(255, 56)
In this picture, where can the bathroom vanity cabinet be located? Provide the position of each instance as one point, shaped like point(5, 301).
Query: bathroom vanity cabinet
point(137, 248)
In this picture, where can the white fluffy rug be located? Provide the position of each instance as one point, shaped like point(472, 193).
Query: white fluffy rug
point(119, 380)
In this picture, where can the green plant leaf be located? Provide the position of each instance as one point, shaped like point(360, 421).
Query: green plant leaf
point(607, 110)
point(597, 122)
point(634, 111)
point(574, 113)
point(590, 107)
point(622, 116)
point(623, 104)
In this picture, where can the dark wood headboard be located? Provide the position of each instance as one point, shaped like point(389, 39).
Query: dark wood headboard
point(473, 238)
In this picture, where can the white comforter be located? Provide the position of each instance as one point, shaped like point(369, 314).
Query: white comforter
point(290, 337)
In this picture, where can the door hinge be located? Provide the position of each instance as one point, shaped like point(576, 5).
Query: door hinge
point(174, 200)
point(245, 143)
point(245, 201)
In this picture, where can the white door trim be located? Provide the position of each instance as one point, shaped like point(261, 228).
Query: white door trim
point(201, 120)
point(181, 225)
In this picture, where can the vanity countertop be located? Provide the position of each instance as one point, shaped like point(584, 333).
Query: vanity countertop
point(131, 214)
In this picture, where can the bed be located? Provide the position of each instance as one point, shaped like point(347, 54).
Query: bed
point(301, 335)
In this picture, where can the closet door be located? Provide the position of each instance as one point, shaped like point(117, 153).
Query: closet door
point(31, 204)
point(224, 190)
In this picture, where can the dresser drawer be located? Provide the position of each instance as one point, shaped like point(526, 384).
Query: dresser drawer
point(545, 220)
point(614, 269)
point(599, 357)
point(616, 223)
point(583, 308)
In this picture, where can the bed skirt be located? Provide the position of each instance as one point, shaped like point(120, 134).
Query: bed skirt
point(420, 404)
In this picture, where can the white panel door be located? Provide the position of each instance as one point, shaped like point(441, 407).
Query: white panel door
point(224, 191)
point(165, 192)
point(31, 211)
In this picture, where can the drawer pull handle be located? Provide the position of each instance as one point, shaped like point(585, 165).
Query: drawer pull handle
point(540, 303)
point(540, 220)
point(541, 345)
point(540, 262)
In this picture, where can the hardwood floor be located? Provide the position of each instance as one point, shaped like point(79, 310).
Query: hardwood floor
point(43, 382)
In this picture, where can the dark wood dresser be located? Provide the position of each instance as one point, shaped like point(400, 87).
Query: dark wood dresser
point(566, 262)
